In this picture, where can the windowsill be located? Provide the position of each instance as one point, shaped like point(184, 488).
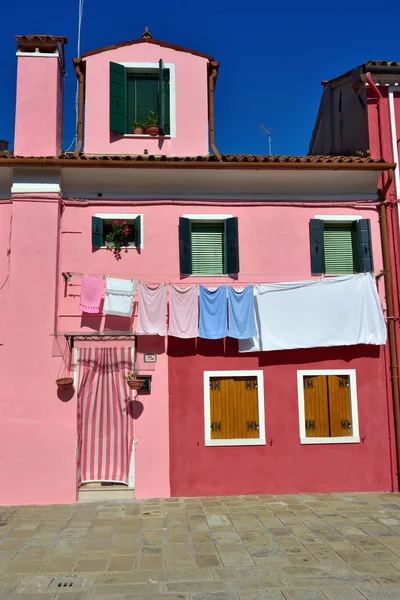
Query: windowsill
point(145, 136)
point(333, 440)
point(122, 249)
point(244, 442)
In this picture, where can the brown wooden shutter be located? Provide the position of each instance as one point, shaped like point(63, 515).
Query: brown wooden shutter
point(245, 416)
point(234, 408)
point(316, 413)
point(220, 392)
point(339, 405)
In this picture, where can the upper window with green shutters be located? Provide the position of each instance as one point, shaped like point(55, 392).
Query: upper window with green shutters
point(340, 245)
point(140, 99)
point(208, 245)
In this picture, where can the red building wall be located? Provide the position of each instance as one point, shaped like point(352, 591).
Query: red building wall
point(284, 465)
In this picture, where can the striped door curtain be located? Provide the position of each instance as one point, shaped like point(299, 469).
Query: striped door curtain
point(105, 427)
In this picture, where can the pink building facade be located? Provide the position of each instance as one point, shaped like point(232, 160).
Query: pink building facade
point(54, 204)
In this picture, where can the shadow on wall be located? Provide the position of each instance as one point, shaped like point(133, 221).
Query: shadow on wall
point(135, 408)
point(228, 348)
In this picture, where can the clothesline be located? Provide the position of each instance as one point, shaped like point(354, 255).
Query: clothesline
point(139, 278)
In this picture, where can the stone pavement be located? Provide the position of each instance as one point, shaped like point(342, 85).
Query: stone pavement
point(325, 547)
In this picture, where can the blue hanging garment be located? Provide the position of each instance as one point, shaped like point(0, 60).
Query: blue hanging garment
point(213, 313)
point(242, 318)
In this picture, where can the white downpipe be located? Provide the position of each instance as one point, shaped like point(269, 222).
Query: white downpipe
point(394, 89)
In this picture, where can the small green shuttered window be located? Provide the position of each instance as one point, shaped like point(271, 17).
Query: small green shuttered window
point(341, 251)
point(340, 248)
point(208, 248)
point(134, 94)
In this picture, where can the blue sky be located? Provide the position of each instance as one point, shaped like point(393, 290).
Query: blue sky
point(273, 55)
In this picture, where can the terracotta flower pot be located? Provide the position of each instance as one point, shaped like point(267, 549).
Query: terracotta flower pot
point(138, 130)
point(135, 384)
point(152, 130)
point(65, 382)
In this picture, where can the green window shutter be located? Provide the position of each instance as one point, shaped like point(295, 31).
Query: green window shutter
point(364, 245)
point(341, 253)
point(208, 248)
point(317, 246)
point(138, 232)
point(232, 245)
point(163, 99)
point(117, 98)
point(97, 232)
point(185, 246)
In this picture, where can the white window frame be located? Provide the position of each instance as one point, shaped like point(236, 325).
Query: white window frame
point(261, 441)
point(353, 439)
point(125, 217)
point(210, 218)
point(339, 218)
point(172, 94)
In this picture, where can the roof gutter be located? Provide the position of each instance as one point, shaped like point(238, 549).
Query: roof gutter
point(211, 87)
point(382, 70)
point(82, 163)
point(79, 129)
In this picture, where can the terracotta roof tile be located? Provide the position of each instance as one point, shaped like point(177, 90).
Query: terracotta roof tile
point(230, 158)
point(41, 38)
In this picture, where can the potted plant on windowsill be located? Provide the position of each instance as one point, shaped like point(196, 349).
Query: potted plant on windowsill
point(133, 380)
point(138, 127)
point(118, 237)
point(152, 127)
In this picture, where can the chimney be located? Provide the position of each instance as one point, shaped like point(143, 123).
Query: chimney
point(39, 106)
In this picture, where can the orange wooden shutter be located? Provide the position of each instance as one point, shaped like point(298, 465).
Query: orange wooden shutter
point(234, 408)
point(316, 413)
point(221, 391)
point(246, 408)
point(339, 405)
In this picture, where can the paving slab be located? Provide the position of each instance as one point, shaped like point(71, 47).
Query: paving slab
point(299, 547)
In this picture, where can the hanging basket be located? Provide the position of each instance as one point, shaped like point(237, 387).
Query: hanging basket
point(135, 384)
point(65, 383)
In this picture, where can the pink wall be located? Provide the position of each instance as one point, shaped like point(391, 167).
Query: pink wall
point(37, 429)
point(283, 465)
point(5, 235)
point(191, 103)
point(38, 118)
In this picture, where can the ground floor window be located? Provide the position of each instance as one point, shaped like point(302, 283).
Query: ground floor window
point(328, 406)
point(234, 408)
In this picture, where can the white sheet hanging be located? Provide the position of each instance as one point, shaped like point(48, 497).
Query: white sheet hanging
point(335, 311)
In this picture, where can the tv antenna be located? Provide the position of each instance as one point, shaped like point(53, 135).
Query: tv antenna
point(269, 138)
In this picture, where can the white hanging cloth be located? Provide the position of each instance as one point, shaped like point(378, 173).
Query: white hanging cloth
point(119, 297)
point(334, 311)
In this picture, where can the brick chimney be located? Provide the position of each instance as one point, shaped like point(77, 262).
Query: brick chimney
point(39, 106)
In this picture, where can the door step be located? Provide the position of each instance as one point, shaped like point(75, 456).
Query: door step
point(97, 492)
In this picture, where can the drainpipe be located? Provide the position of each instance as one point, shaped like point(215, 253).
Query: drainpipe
point(394, 370)
point(378, 108)
point(79, 131)
point(211, 87)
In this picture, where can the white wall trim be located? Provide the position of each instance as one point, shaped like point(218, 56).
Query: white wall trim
point(355, 438)
point(27, 188)
point(172, 87)
point(38, 54)
point(260, 441)
point(124, 217)
point(207, 217)
point(392, 115)
point(339, 218)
